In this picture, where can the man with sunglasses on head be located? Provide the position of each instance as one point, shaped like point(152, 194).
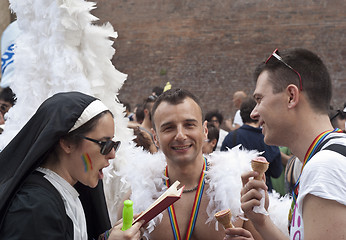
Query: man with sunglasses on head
point(293, 93)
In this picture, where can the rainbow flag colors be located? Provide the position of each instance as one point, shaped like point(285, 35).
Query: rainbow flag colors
point(87, 162)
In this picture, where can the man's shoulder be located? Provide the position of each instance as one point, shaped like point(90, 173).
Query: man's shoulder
point(335, 142)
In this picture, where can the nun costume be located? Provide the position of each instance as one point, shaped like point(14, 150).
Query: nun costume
point(37, 203)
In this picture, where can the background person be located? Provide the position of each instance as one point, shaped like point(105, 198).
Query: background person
point(250, 136)
point(236, 122)
point(216, 118)
point(209, 145)
point(7, 100)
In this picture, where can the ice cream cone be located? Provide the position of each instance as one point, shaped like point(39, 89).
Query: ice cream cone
point(224, 217)
point(259, 165)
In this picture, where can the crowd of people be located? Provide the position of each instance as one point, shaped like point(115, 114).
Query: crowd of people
point(51, 177)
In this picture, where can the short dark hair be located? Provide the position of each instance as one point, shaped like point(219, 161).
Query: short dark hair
point(213, 133)
point(214, 113)
point(127, 106)
point(7, 95)
point(139, 113)
point(174, 97)
point(246, 108)
point(148, 100)
point(157, 90)
point(314, 76)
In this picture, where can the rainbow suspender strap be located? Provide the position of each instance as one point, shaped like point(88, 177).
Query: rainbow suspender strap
point(195, 208)
point(311, 151)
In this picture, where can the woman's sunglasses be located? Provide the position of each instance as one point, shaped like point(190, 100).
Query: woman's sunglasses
point(106, 146)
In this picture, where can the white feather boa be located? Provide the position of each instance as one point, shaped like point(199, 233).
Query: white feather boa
point(145, 173)
point(59, 49)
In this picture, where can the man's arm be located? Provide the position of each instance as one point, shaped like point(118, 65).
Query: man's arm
point(323, 219)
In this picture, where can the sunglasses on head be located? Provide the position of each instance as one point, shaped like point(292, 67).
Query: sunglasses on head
point(152, 97)
point(106, 146)
point(276, 55)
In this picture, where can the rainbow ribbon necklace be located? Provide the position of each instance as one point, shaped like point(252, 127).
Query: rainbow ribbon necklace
point(195, 208)
point(311, 151)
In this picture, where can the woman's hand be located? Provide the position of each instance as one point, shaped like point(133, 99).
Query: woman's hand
point(116, 233)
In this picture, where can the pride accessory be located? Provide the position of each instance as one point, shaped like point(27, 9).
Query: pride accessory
point(195, 208)
point(309, 154)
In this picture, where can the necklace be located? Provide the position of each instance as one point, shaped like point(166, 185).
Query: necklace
point(190, 190)
point(186, 190)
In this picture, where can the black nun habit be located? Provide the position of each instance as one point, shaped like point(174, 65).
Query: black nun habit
point(55, 117)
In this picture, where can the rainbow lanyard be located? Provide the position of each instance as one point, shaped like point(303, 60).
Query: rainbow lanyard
point(195, 208)
point(308, 156)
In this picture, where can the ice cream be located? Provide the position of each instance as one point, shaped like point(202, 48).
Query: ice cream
point(260, 165)
point(224, 217)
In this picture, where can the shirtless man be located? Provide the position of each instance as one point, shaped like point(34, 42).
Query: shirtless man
point(179, 132)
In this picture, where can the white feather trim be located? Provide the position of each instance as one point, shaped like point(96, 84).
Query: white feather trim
point(145, 174)
point(224, 178)
point(278, 210)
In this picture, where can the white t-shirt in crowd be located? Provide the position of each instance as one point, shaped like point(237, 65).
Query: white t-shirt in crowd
point(237, 119)
point(222, 135)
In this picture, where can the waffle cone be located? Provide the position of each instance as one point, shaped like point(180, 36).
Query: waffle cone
point(224, 217)
point(260, 166)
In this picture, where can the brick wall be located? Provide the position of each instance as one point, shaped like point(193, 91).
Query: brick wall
point(212, 47)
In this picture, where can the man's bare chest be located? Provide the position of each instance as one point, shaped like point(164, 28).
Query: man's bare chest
point(183, 210)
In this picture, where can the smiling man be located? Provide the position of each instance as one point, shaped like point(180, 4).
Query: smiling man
point(293, 93)
point(179, 132)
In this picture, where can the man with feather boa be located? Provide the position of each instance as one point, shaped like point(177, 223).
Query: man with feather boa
point(212, 183)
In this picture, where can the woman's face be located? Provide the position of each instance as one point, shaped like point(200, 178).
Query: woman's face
point(87, 162)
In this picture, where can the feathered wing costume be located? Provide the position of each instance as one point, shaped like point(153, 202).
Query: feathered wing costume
point(59, 49)
point(145, 174)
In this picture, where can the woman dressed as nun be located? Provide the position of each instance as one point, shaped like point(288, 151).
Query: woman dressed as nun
point(68, 140)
